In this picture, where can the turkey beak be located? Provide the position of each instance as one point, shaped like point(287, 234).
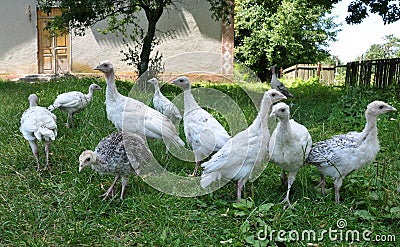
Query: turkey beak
point(392, 108)
point(96, 68)
point(80, 167)
point(173, 82)
point(273, 114)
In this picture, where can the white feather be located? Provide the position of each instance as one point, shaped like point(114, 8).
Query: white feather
point(131, 115)
point(243, 152)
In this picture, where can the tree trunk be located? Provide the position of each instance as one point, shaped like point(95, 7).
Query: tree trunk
point(152, 15)
point(147, 47)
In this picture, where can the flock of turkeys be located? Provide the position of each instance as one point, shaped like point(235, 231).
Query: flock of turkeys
point(125, 151)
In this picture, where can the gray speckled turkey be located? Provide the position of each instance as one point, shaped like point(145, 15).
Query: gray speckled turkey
point(120, 154)
point(342, 154)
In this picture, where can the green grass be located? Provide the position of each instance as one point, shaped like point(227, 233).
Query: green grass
point(62, 207)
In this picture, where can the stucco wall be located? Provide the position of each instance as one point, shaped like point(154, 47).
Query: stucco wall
point(18, 39)
point(184, 28)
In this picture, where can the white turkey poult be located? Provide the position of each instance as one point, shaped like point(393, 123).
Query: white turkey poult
point(278, 85)
point(343, 154)
point(203, 132)
point(38, 124)
point(133, 116)
point(243, 152)
point(120, 154)
point(73, 102)
point(289, 145)
point(164, 105)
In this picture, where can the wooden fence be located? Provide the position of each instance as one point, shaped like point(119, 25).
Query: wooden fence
point(380, 73)
point(325, 73)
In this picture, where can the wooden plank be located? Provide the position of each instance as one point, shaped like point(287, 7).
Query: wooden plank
point(53, 49)
point(383, 72)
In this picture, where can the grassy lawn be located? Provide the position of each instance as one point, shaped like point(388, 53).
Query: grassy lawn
point(62, 207)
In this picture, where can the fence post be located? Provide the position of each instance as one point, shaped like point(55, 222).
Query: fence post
point(319, 71)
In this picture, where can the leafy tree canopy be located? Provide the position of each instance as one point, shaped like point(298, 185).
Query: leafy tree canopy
point(389, 49)
point(290, 32)
point(358, 10)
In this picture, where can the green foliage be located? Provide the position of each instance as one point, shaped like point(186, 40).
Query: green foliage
point(62, 207)
point(351, 105)
point(292, 32)
point(374, 52)
point(389, 49)
point(388, 9)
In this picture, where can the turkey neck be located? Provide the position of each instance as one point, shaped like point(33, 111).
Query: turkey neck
point(32, 102)
point(261, 121)
point(111, 90)
point(189, 101)
point(285, 128)
point(90, 94)
point(156, 89)
point(370, 130)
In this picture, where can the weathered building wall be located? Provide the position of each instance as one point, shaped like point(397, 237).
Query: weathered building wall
point(184, 28)
point(18, 39)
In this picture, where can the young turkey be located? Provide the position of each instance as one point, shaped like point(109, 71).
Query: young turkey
point(343, 154)
point(38, 124)
point(289, 145)
point(133, 116)
point(110, 157)
point(164, 105)
point(278, 85)
point(243, 152)
point(203, 132)
point(73, 102)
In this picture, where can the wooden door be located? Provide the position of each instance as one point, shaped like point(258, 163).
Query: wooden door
point(53, 49)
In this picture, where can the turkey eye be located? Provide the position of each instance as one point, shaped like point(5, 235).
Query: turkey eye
point(273, 95)
point(381, 107)
point(180, 80)
point(283, 110)
point(88, 159)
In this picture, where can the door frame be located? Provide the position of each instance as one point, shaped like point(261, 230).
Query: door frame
point(53, 50)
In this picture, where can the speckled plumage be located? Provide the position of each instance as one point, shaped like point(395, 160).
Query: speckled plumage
point(343, 154)
point(38, 124)
point(243, 152)
point(73, 102)
point(111, 157)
